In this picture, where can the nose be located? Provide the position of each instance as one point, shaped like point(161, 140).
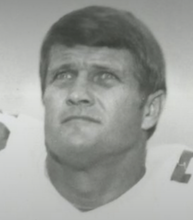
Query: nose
point(80, 94)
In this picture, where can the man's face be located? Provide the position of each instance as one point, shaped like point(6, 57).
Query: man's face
point(92, 104)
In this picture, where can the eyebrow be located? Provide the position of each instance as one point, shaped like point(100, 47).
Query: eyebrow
point(103, 67)
point(94, 66)
point(63, 66)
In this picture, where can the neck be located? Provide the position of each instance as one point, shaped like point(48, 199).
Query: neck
point(98, 184)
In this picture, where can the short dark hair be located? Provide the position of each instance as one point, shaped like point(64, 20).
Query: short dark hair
point(97, 26)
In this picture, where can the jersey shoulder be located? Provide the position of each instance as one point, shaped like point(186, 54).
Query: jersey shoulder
point(17, 126)
point(175, 162)
point(171, 181)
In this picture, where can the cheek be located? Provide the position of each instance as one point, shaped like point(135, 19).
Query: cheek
point(123, 102)
point(53, 104)
point(122, 127)
point(124, 111)
point(53, 98)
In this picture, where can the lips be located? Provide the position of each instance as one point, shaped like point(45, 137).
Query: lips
point(83, 118)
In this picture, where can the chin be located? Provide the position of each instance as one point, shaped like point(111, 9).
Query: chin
point(77, 155)
point(78, 143)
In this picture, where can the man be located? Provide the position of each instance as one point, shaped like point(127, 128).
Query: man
point(103, 87)
point(99, 105)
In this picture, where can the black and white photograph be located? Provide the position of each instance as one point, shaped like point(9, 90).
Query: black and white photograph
point(96, 111)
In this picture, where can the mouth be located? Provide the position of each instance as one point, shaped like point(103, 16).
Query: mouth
point(81, 118)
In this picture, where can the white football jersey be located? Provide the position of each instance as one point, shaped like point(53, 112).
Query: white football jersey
point(165, 192)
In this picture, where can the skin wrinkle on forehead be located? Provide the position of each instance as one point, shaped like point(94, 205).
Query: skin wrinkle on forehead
point(68, 57)
point(95, 61)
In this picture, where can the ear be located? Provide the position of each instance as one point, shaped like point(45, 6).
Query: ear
point(152, 109)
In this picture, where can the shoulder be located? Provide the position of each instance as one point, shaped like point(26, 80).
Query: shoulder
point(173, 160)
point(17, 126)
point(7, 122)
point(171, 171)
point(162, 153)
point(170, 177)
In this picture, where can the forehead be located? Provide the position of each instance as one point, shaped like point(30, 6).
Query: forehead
point(90, 56)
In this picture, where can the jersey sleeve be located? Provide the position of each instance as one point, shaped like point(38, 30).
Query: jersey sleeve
point(7, 123)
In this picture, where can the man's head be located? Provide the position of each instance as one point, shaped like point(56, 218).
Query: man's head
point(107, 27)
point(103, 82)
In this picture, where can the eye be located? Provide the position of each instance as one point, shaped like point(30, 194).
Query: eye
point(105, 78)
point(64, 75)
